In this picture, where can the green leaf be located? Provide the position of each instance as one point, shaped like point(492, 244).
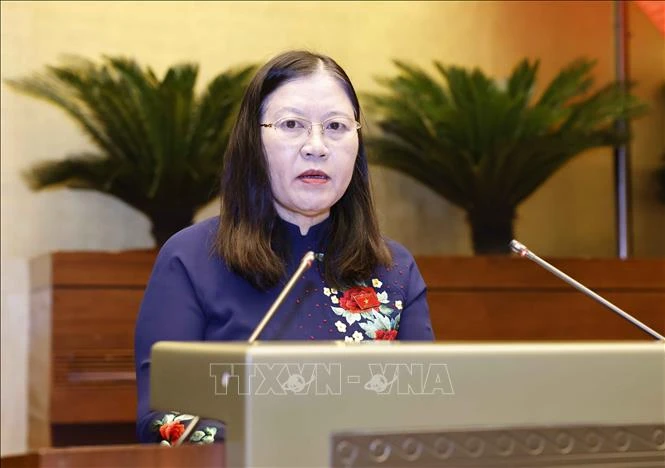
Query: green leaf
point(486, 145)
point(159, 143)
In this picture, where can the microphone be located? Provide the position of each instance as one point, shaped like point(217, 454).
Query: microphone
point(522, 251)
point(305, 263)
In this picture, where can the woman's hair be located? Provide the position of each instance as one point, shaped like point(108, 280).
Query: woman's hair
point(248, 237)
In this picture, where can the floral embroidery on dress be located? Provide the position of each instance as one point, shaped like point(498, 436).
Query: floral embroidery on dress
point(171, 428)
point(372, 311)
point(206, 436)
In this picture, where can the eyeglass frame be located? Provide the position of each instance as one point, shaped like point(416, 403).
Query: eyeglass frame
point(358, 125)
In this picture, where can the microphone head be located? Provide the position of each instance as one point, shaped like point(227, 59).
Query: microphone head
point(308, 259)
point(518, 247)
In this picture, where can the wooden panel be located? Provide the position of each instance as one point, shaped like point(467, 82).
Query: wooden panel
point(93, 354)
point(79, 269)
point(515, 272)
point(88, 405)
point(99, 318)
point(90, 342)
point(212, 455)
point(510, 298)
point(540, 315)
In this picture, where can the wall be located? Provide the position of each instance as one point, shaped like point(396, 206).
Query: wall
point(571, 215)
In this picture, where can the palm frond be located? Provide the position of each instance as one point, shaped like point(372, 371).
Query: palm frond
point(80, 171)
point(160, 144)
point(478, 141)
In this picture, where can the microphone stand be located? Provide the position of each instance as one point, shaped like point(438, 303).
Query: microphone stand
point(522, 251)
point(305, 263)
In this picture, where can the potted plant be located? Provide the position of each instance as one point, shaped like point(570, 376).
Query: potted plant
point(159, 145)
point(486, 145)
point(159, 148)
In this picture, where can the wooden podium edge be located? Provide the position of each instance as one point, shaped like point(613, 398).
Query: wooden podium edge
point(212, 455)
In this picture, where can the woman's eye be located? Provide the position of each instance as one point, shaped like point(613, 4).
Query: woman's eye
point(291, 124)
point(336, 126)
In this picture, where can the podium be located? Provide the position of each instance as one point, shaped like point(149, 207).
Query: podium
point(417, 404)
point(115, 456)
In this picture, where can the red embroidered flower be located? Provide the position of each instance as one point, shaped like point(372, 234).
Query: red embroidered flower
point(359, 298)
point(171, 431)
point(385, 335)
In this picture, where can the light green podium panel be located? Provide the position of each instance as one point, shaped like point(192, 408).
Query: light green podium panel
point(296, 404)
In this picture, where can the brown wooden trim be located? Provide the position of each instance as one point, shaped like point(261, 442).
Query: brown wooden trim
point(130, 268)
point(185, 456)
point(514, 272)
point(534, 316)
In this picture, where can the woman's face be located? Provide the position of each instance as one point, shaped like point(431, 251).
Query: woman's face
point(309, 170)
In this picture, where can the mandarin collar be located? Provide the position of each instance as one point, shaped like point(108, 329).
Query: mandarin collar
point(310, 241)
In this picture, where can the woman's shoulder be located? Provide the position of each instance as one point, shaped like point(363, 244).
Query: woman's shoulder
point(194, 240)
point(401, 255)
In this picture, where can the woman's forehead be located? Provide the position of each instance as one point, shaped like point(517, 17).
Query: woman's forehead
point(310, 93)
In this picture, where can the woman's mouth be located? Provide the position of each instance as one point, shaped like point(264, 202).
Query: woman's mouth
point(314, 177)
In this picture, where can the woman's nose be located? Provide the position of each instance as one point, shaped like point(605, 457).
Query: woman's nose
point(315, 146)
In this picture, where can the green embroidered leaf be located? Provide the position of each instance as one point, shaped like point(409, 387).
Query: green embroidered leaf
point(196, 436)
point(385, 310)
point(384, 321)
point(369, 328)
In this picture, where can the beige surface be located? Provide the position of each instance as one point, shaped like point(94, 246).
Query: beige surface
point(426, 387)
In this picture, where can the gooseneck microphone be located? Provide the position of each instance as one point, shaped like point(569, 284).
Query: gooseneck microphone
point(522, 251)
point(305, 263)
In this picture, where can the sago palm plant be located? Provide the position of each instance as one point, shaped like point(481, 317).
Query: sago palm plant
point(486, 145)
point(159, 145)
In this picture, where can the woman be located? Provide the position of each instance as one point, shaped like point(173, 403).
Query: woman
point(295, 179)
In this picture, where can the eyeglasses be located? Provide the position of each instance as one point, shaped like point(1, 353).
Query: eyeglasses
point(294, 128)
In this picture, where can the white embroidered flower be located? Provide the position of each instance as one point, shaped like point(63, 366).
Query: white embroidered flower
point(334, 300)
point(348, 339)
point(333, 290)
point(326, 291)
point(357, 336)
point(376, 283)
point(341, 326)
point(183, 417)
point(382, 297)
point(398, 304)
